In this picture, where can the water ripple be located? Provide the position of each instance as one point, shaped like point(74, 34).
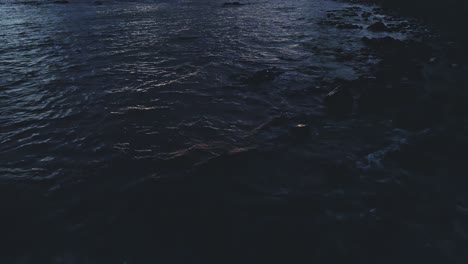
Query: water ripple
point(85, 86)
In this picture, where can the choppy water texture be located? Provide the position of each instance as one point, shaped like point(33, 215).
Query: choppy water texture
point(118, 91)
point(84, 85)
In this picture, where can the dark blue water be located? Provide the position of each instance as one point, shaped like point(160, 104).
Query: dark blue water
point(85, 85)
point(112, 94)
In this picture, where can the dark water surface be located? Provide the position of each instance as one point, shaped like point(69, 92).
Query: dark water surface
point(83, 86)
point(115, 93)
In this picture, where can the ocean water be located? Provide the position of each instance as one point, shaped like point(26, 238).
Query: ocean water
point(84, 85)
point(112, 94)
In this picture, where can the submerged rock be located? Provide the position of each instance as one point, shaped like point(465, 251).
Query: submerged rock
point(61, 2)
point(340, 101)
point(381, 43)
point(378, 26)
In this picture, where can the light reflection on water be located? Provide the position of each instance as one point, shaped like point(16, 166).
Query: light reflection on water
point(85, 86)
